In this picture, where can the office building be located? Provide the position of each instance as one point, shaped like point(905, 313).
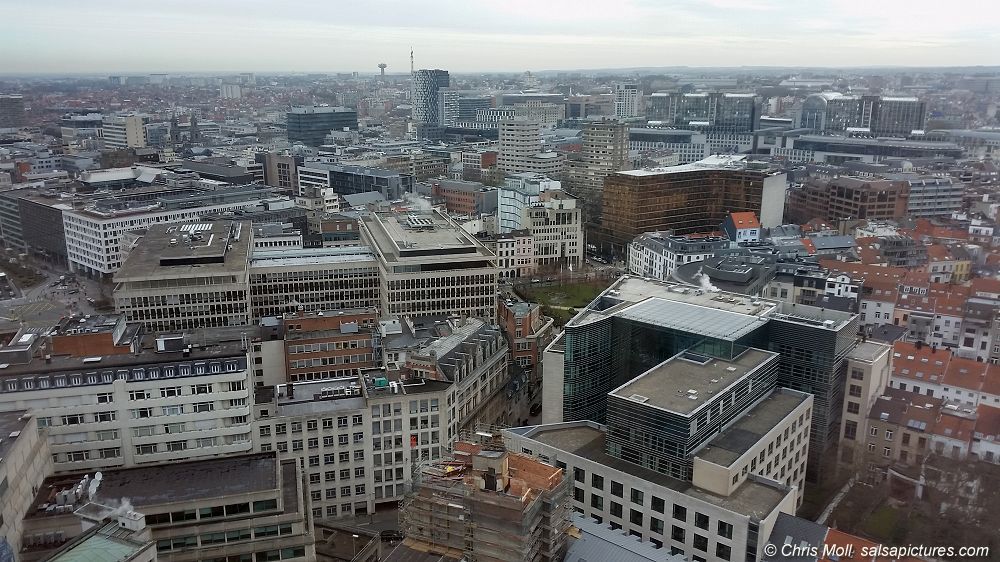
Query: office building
point(427, 85)
point(124, 131)
point(518, 192)
point(230, 91)
point(95, 225)
point(318, 345)
point(25, 460)
point(116, 398)
point(742, 478)
point(468, 198)
point(654, 321)
point(688, 199)
point(872, 115)
point(659, 254)
point(247, 506)
point(430, 266)
point(705, 111)
point(314, 177)
point(310, 125)
point(187, 276)
point(839, 149)
point(847, 197)
point(11, 111)
point(281, 170)
point(521, 149)
point(628, 100)
point(358, 437)
point(548, 114)
point(931, 196)
point(556, 226)
point(459, 106)
point(488, 504)
point(604, 150)
point(312, 280)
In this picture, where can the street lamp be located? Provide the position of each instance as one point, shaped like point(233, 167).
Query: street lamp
point(354, 542)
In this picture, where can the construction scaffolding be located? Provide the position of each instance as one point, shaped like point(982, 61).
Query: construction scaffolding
point(490, 505)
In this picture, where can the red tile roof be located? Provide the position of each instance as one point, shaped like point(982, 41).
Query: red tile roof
point(927, 364)
point(966, 373)
point(988, 421)
point(745, 220)
point(954, 426)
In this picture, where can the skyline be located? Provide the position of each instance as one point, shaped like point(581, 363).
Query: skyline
point(466, 37)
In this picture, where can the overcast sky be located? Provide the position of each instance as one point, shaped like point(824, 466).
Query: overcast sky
point(493, 35)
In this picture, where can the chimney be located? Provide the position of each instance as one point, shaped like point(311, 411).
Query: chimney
point(919, 344)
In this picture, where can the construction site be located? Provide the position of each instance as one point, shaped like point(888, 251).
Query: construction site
point(488, 504)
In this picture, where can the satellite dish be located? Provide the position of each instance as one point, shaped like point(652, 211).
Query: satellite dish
point(94, 484)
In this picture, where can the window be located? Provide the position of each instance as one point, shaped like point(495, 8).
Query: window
point(886, 452)
point(596, 502)
point(78, 456)
point(680, 512)
point(200, 407)
point(635, 517)
point(140, 413)
point(173, 428)
point(617, 489)
point(701, 542)
point(725, 530)
point(174, 446)
point(855, 390)
point(107, 435)
point(850, 430)
point(701, 520)
point(201, 389)
point(138, 394)
point(105, 398)
point(723, 551)
point(173, 410)
point(147, 449)
point(637, 496)
point(657, 504)
point(677, 533)
point(105, 416)
point(616, 509)
point(597, 481)
point(170, 392)
point(656, 525)
point(888, 435)
point(74, 419)
point(853, 407)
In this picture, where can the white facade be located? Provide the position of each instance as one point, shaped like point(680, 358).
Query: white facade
point(231, 91)
point(122, 411)
point(124, 132)
point(521, 149)
point(628, 100)
point(519, 192)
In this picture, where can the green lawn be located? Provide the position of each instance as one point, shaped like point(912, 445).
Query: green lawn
point(575, 295)
point(882, 523)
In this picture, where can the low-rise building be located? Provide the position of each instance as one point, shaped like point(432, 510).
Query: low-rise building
point(659, 254)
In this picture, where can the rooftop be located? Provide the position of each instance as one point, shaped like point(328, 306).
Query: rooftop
point(11, 425)
point(716, 162)
point(108, 543)
point(421, 234)
point(189, 250)
point(687, 381)
point(173, 483)
point(738, 438)
point(260, 258)
point(586, 439)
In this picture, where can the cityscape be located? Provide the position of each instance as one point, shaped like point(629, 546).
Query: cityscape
point(494, 294)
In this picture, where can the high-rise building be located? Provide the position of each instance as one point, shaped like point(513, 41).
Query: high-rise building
point(126, 131)
point(874, 115)
point(689, 199)
point(458, 106)
point(310, 125)
point(521, 149)
point(11, 111)
point(604, 151)
point(348, 180)
point(428, 265)
point(636, 324)
point(931, 195)
point(705, 111)
point(426, 89)
point(628, 100)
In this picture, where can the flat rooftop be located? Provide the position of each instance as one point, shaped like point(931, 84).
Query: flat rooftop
point(175, 482)
point(107, 543)
point(311, 256)
point(189, 250)
point(869, 351)
point(677, 298)
point(683, 383)
point(11, 425)
point(739, 437)
point(716, 162)
point(421, 235)
point(586, 440)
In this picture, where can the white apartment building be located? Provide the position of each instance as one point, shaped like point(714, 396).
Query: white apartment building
point(659, 254)
point(137, 401)
point(126, 131)
point(430, 266)
point(628, 100)
point(94, 232)
point(869, 366)
point(556, 224)
point(516, 254)
point(357, 438)
point(312, 279)
point(24, 462)
point(518, 192)
point(521, 149)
